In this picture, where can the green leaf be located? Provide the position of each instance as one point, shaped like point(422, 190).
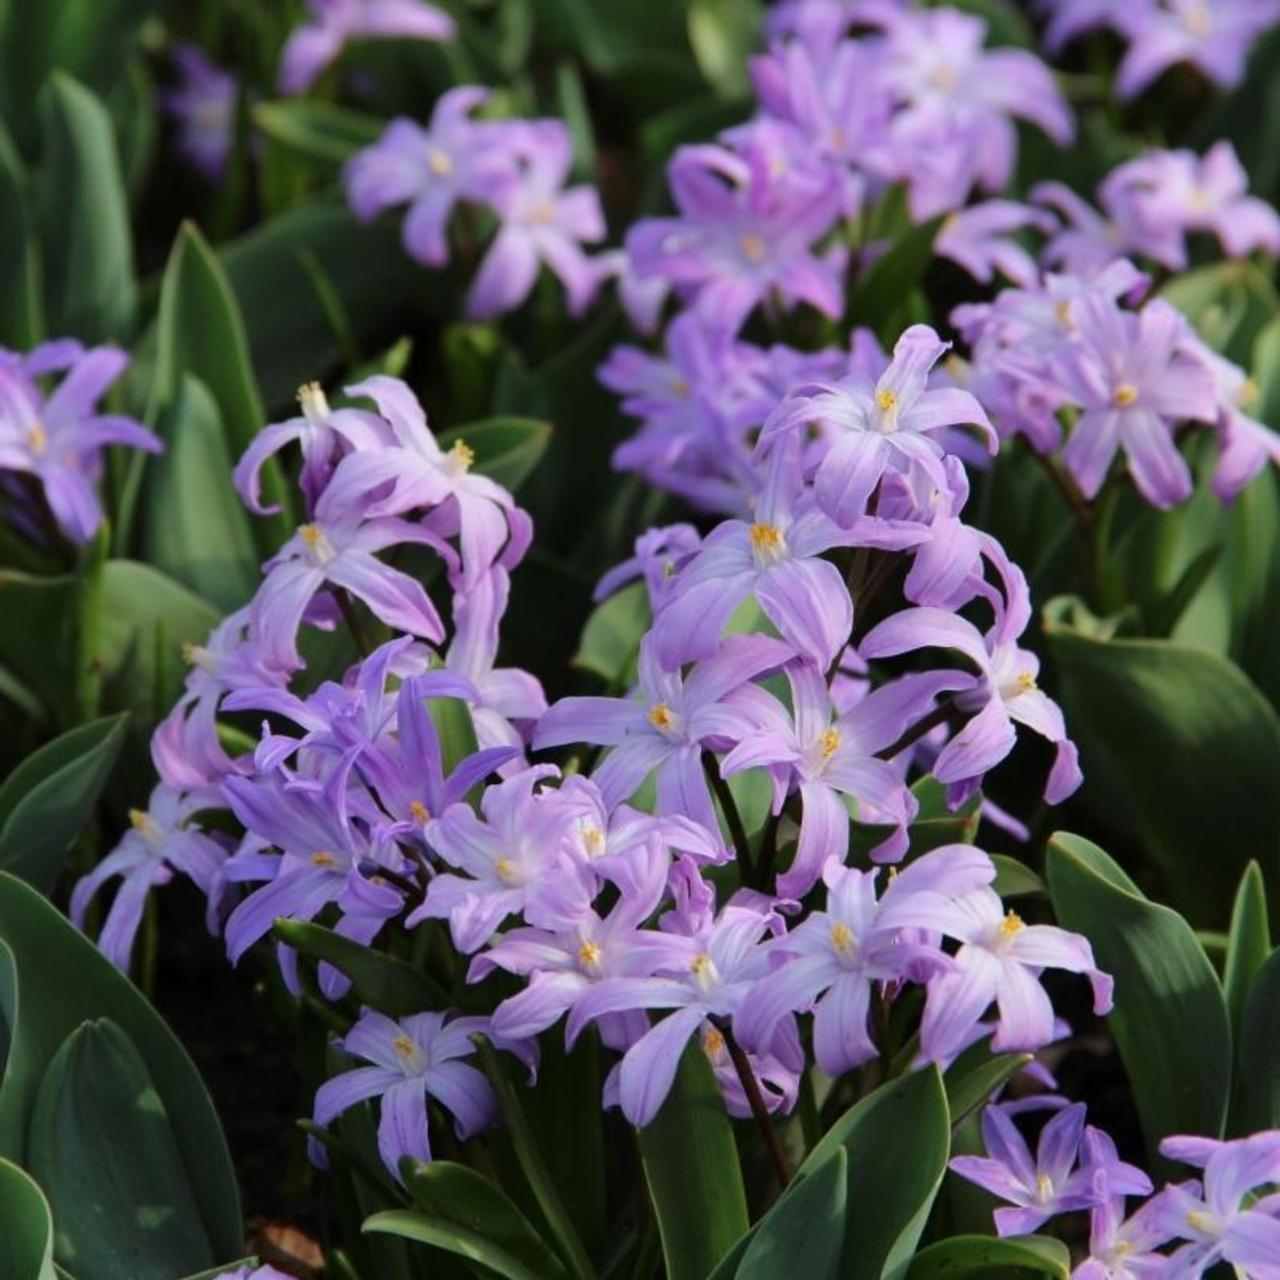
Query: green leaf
point(460, 1197)
point(568, 1243)
point(879, 295)
point(803, 1234)
point(47, 800)
point(88, 252)
point(692, 1171)
point(26, 1226)
point(1230, 303)
point(1015, 879)
point(21, 304)
point(723, 34)
point(387, 984)
point(898, 1139)
point(38, 641)
point(216, 1273)
point(1248, 943)
point(970, 1083)
point(1218, 737)
point(473, 1245)
point(1170, 1019)
point(199, 331)
point(505, 449)
point(194, 526)
point(55, 980)
point(1256, 1105)
point(611, 639)
point(989, 1258)
point(100, 1143)
point(317, 130)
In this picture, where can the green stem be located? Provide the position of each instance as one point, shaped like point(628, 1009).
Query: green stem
point(917, 731)
point(352, 619)
point(755, 1100)
point(737, 832)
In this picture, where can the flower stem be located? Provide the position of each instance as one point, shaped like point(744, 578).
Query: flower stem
point(738, 833)
point(352, 619)
point(918, 730)
point(1066, 486)
point(755, 1099)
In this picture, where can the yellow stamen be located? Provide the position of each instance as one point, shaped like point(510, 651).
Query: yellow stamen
point(312, 401)
point(712, 1042)
point(439, 163)
point(886, 401)
point(592, 839)
point(830, 742)
point(1062, 310)
point(589, 955)
point(1044, 1187)
point(1025, 681)
point(142, 822)
point(1011, 926)
point(506, 870)
point(404, 1046)
point(322, 859)
point(701, 965)
point(463, 455)
point(1124, 395)
point(310, 534)
point(190, 652)
point(752, 246)
point(842, 938)
point(419, 812)
point(766, 540)
point(37, 437)
point(660, 716)
point(1198, 1220)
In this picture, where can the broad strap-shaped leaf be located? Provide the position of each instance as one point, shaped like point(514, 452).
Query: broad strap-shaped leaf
point(55, 980)
point(989, 1258)
point(26, 1226)
point(505, 449)
point(1255, 1104)
point(1248, 944)
point(1015, 879)
point(692, 1171)
point(381, 981)
point(47, 800)
point(1170, 1019)
point(803, 1234)
point(1219, 738)
point(21, 306)
point(976, 1075)
point(722, 34)
point(317, 130)
point(100, 1143)
point(610, 641)
point(90, 292)
point(476, 1246)
point(898, 1139)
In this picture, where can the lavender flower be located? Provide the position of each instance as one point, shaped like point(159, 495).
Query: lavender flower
point(203, 105)
point(979, 240)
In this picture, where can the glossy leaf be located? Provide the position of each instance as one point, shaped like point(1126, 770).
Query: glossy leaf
point(1256, 1104)
point(1015, 879)
point(460, 1197)
point(476, 1246)
point(969, 1083)
point(48, 799)
point(898, 1139)
point(1170, 1019)
point(611, 639)
point(723, 34)
point(989, 1258)
point(1218, 736)
point(52, 979)
point(381, 981)
point(88, 250)
point(194, 527)
point(506, 449)
point(1248, 943)
point(803, 1234)
point(100, 1143)
point(26, 1226)
point(21, 304)
point(879, 296)
point(692, 1172)
point(317, 130)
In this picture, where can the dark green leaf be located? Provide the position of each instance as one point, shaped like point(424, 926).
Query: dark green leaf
point(723, 33)
point(1248, 943)
point(889, 280)
point(988, 1258)
point(194, 526)
point(460, 1197)
point(505, 449)
point(611, 638)
point(21, 304)
point(803, 1234)
point(1218, 737)
point(88, 260)
point(692, 1171)
point(1256, 1105)
point(1015, 879)
point(970, 1084)
point(317, 130)
point(58, 981)
point(100, 1143)
point(440, 1234)
point(1170, 1019)
point(387, 984)
point(26, 1226)
point(47, 800)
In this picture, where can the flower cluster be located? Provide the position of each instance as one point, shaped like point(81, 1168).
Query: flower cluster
point(1225, 1216)
point(52, 441)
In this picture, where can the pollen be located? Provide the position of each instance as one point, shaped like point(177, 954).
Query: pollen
point(1124, 395)
point(712, 1042)
point(323, 859)
point(1044, 1187)
point(312, 401)
point(830, 742)
point(589, 955)
point(403, 1046)
point(842, 938)
point(1062, 312)
point(1011, 926)
point(766, 540)
point(701, 965)
point(142, 822)
point(752, 247)
point(593, 839)
point(463, 455)
point(189, 653)
point(439, 163)
point(37, 437)
point(1025, 682)
point(1198, 1220)
point(419, 812)
point(886, 401)
point(506, 870)
point(310, 534)
point(660, 716)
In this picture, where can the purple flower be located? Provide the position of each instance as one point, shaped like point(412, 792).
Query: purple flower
point(979, 240)
point(512, 856)
point(1132, 381)
point(1051, 1183)
point(779, 1083)
point(543, 222)
point(777, 558)
point(747, 229)
point(413, 1061)
point(161, 840)
point(1001, 961)
point(1212, 35)
point(454, 158)
point(203, 104)
point(832, 757)
point(314, 45)
point(706, 974)
point(1071, 18)
point(414, 471)
point(1120, 1248)
point(321, 431)
point(663, 724)
point(831, 961)
point(879, 426)
point(659, 555)
point(59, 440)
point(254, 1273)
